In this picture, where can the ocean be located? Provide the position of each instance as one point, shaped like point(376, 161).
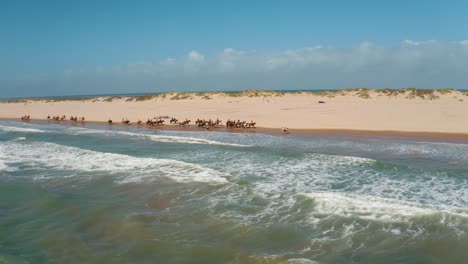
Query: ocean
point(112, 194)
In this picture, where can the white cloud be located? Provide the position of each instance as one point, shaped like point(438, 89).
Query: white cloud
point(193, 62)
point(409, 63)
point(195, 56)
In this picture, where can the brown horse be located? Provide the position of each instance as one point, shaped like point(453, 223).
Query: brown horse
point(251, 124)
point(183, 123)
point(159, 122)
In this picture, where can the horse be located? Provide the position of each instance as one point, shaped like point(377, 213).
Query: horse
point(183, 123)
point(229, 123)
point(159, 122)
point(200, 123)
point(251, 124)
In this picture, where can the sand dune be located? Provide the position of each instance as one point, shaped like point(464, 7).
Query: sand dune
point(358, 109)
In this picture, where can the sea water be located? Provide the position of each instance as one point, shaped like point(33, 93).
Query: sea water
point(112, 194)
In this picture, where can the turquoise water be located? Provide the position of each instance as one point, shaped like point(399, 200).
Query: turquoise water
point(98, 194)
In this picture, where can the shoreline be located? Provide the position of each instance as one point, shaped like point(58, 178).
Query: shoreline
point(405, 135)
point(434, 114)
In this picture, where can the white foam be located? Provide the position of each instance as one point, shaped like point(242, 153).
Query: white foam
point(300, 173)
point(157, 138)
point(3, 166)
point(53, 156)
point(20, 129)
point(339, 159)
point(299, 261)
point(376, 208)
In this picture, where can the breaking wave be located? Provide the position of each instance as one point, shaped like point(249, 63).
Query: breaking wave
point(380, 209)
point(157, 138)
point(20, 129)
point(3, 166)
point(40, 155)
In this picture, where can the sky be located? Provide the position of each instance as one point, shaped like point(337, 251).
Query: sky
point(55, 48)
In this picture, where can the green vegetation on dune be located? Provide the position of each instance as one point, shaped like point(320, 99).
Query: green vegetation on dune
point(53, 100)
point(253, 93)
point(410, 93)
point(181, 96)
point(391, 92)
point(445, 90)
point(8, 101)
point(329, 94)
point(145, 97)
point(364, 93)
point(111, 98)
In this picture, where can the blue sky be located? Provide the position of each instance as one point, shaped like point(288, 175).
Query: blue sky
point(83, 47)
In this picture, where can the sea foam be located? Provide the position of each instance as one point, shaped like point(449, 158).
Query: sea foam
point(3, 166)
point(46, 156)
point(153, 137)
point(20, 129)
point(379, 209)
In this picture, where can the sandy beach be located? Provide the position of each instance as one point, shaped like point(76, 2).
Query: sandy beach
point(405, 111)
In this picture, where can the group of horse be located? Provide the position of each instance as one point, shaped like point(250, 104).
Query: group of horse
point(152, 122)
point(63, 118)
point(57, 118)
point(175, 121)
point(149, 122)
point(240, 124)
point(208, 123)
point(159, 121)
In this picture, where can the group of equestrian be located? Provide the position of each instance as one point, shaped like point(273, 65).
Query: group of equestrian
point(152, 122)
point(63, 118)
point(241, 124)
point(208, 123)
point(159, 121)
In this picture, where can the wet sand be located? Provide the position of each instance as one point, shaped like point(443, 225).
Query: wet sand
point(345, 133)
